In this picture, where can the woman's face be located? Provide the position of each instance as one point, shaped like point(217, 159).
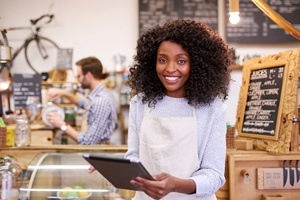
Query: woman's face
point(173, 68)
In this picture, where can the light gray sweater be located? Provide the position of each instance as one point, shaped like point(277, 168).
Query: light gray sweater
point(211, 127)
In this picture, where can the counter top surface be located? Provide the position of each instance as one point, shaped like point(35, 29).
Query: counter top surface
point(70, 148)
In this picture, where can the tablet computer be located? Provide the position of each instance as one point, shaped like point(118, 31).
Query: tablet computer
point(118, 171)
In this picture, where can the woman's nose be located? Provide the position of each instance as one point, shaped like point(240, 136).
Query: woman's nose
point(171, 67)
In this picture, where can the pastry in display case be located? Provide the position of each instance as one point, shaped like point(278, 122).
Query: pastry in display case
point(65, 176)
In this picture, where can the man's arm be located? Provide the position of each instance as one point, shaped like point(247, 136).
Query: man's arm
point(58, 122)
point(55, 93)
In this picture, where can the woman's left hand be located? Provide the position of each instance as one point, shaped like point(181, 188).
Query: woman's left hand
point(164, 184)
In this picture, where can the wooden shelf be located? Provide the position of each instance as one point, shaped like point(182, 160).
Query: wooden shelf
point(124, 105)
point(45, 83)
point(236, 67)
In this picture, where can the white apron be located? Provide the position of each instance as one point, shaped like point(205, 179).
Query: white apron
point(170, 145)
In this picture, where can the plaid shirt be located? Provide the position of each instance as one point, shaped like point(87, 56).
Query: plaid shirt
point(101, 115)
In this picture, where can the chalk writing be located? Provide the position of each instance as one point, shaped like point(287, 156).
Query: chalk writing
point(263, 99)
point(24, 86)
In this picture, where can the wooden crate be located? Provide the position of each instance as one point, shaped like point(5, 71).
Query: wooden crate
point(230, 137)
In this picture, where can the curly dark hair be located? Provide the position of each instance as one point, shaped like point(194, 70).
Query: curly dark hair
point(210, 59)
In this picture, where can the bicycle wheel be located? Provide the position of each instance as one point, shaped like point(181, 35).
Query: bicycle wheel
point(34, 58)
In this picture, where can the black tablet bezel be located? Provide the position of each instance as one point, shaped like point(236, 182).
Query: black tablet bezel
point(118, 171)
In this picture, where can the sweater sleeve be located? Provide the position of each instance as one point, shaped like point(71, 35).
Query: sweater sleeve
point(212, 153)
point(133, 130)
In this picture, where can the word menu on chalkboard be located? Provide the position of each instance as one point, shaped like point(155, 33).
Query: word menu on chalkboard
point(256, 27)
point(263, 99)
point(154, 12)
point(26, 86)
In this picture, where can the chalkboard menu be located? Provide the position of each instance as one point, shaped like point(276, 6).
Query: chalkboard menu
point(153, 12)
point(256, 27)
point(26, 86)
point(263, 100)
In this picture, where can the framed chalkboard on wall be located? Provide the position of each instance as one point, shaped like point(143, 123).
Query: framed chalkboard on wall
point(264, 102)
point(153, 12)
point(256, 27)
point(26, 86)
point(268, 102)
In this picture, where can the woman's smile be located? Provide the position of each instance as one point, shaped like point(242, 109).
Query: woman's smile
point(172, 78)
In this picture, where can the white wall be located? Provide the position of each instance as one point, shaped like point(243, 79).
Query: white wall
point(104, 28)
point(95, 27)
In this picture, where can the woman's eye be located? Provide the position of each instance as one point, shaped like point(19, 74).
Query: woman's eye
point(162, 60)
point(181, 61)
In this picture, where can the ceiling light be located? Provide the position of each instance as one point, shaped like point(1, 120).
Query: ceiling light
point(234, 11)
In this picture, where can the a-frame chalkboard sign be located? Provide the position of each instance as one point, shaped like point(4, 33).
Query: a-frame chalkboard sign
point(268, 102)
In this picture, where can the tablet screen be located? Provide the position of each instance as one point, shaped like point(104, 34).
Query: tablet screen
point(118, 171)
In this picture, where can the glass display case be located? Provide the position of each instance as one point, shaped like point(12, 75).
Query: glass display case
point(65, 176)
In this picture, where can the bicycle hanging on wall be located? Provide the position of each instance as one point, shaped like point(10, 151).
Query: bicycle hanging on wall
point(40, 52)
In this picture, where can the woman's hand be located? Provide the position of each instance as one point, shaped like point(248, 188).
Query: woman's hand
point(163, 185)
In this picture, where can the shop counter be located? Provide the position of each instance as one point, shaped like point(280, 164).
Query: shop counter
point(65, 175)
point(244, 169)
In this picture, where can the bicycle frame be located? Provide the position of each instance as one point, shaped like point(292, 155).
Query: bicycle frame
point(34, 36)
point(18, 50)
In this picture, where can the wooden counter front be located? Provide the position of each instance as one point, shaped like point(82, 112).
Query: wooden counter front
point(249, 188)
point(237, 160)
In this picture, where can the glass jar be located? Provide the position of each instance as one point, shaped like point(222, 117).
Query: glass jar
point(70, 116)
point(79, 117)
point(9, 173)
point(33, 110)
point(22, 133)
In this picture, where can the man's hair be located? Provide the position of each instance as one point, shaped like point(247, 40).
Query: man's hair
point(91, 64)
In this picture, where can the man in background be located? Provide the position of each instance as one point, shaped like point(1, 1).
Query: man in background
point(100, 106)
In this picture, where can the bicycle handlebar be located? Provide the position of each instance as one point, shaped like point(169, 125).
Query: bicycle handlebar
point(32, 21)
point(5, 40)
point(35, 21)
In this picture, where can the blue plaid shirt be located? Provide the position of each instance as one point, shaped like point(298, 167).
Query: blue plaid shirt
point(101, 115)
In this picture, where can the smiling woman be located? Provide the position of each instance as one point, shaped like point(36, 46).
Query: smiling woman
point(180, 78)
